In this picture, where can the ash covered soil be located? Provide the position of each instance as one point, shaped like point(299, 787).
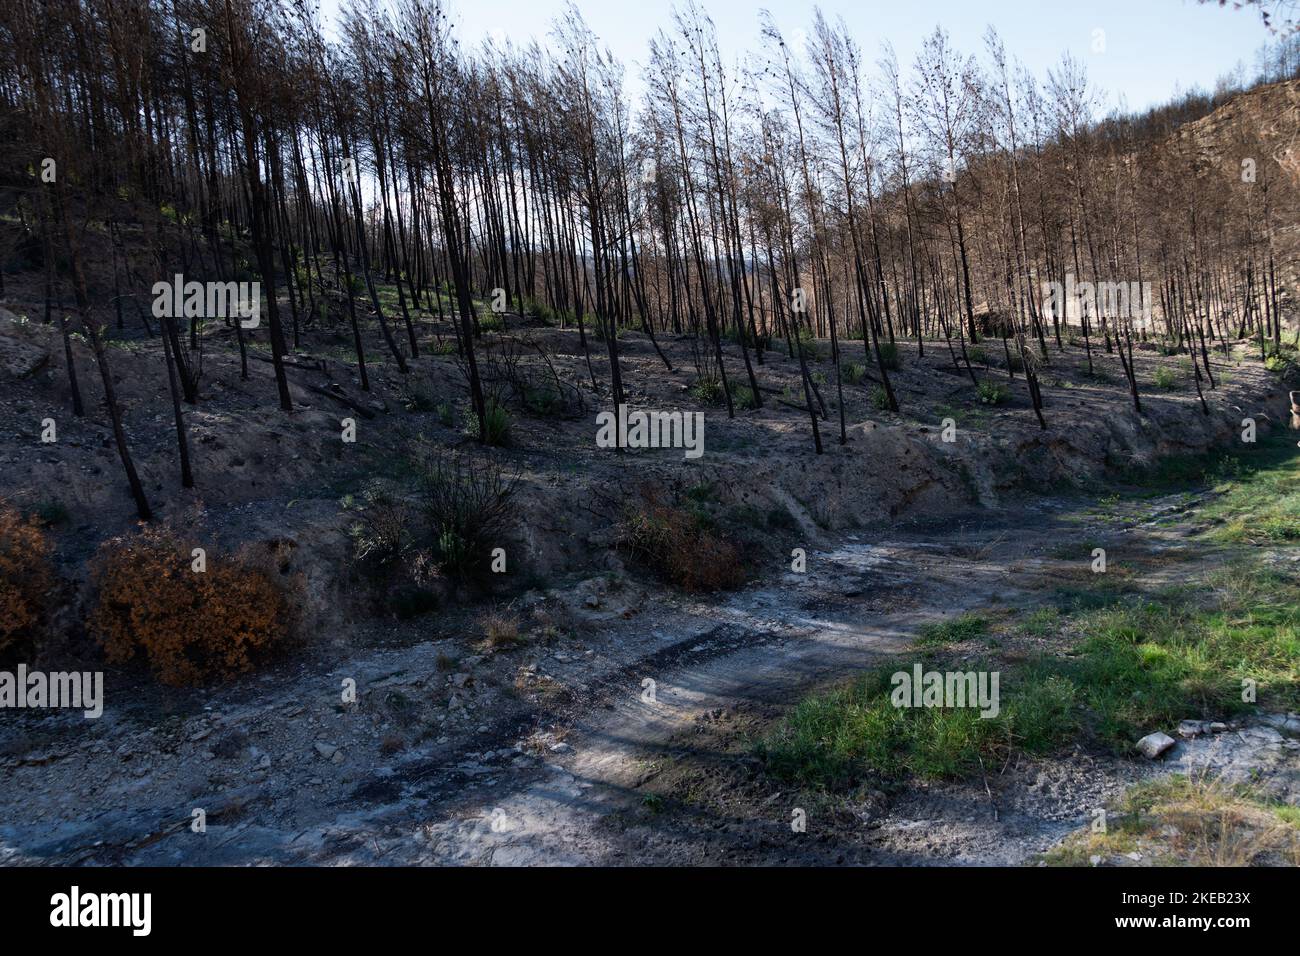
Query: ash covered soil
point(545, 751)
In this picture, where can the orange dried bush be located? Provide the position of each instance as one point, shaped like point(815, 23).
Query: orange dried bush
point(192, 626)
point(674, 542)
point(26, 577)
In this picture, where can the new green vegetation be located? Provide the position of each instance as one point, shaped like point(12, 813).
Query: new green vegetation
point(1119, 662)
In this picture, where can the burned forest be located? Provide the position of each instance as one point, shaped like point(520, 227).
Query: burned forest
point(760, 441)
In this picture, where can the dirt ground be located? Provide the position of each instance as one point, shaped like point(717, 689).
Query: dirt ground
point(551, 754)
point(546, 752)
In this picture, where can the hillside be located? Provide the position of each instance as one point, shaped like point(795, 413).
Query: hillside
point(440, 455)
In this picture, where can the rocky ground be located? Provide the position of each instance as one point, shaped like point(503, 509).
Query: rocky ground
point(555, 753)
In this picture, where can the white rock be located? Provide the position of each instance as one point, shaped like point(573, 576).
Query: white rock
point(1153, 745)
point(325, 750)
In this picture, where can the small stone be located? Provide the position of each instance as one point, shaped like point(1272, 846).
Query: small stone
point(1153, 745)
point(1191, 728)
point(1094, 859)
point(461, 680)
point(325, 750)
point(561, 748)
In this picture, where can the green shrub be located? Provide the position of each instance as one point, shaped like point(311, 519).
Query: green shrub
point(466, 506)
point(1284, 364)
point(993, 393)
point(853, 372)
point(491, 322)
point(708, 391)
point(890, 356)
point(808, 346)
point(419, 398)
point(496, 423)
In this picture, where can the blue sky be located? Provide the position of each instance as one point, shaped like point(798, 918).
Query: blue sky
point(1153, 48)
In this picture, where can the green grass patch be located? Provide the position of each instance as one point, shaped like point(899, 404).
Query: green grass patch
point(1138, 665)
point(964, 628)
point(855, 734)
point(1040, 622)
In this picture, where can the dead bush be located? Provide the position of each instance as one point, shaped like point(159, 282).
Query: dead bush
point(500, 629)
point(391, 554)
point(26, 579)
point(192, 626)
point(467, 505)
point(382, 543)
point(674, 541)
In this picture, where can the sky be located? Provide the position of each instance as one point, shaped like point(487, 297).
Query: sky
point(1143, 52)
